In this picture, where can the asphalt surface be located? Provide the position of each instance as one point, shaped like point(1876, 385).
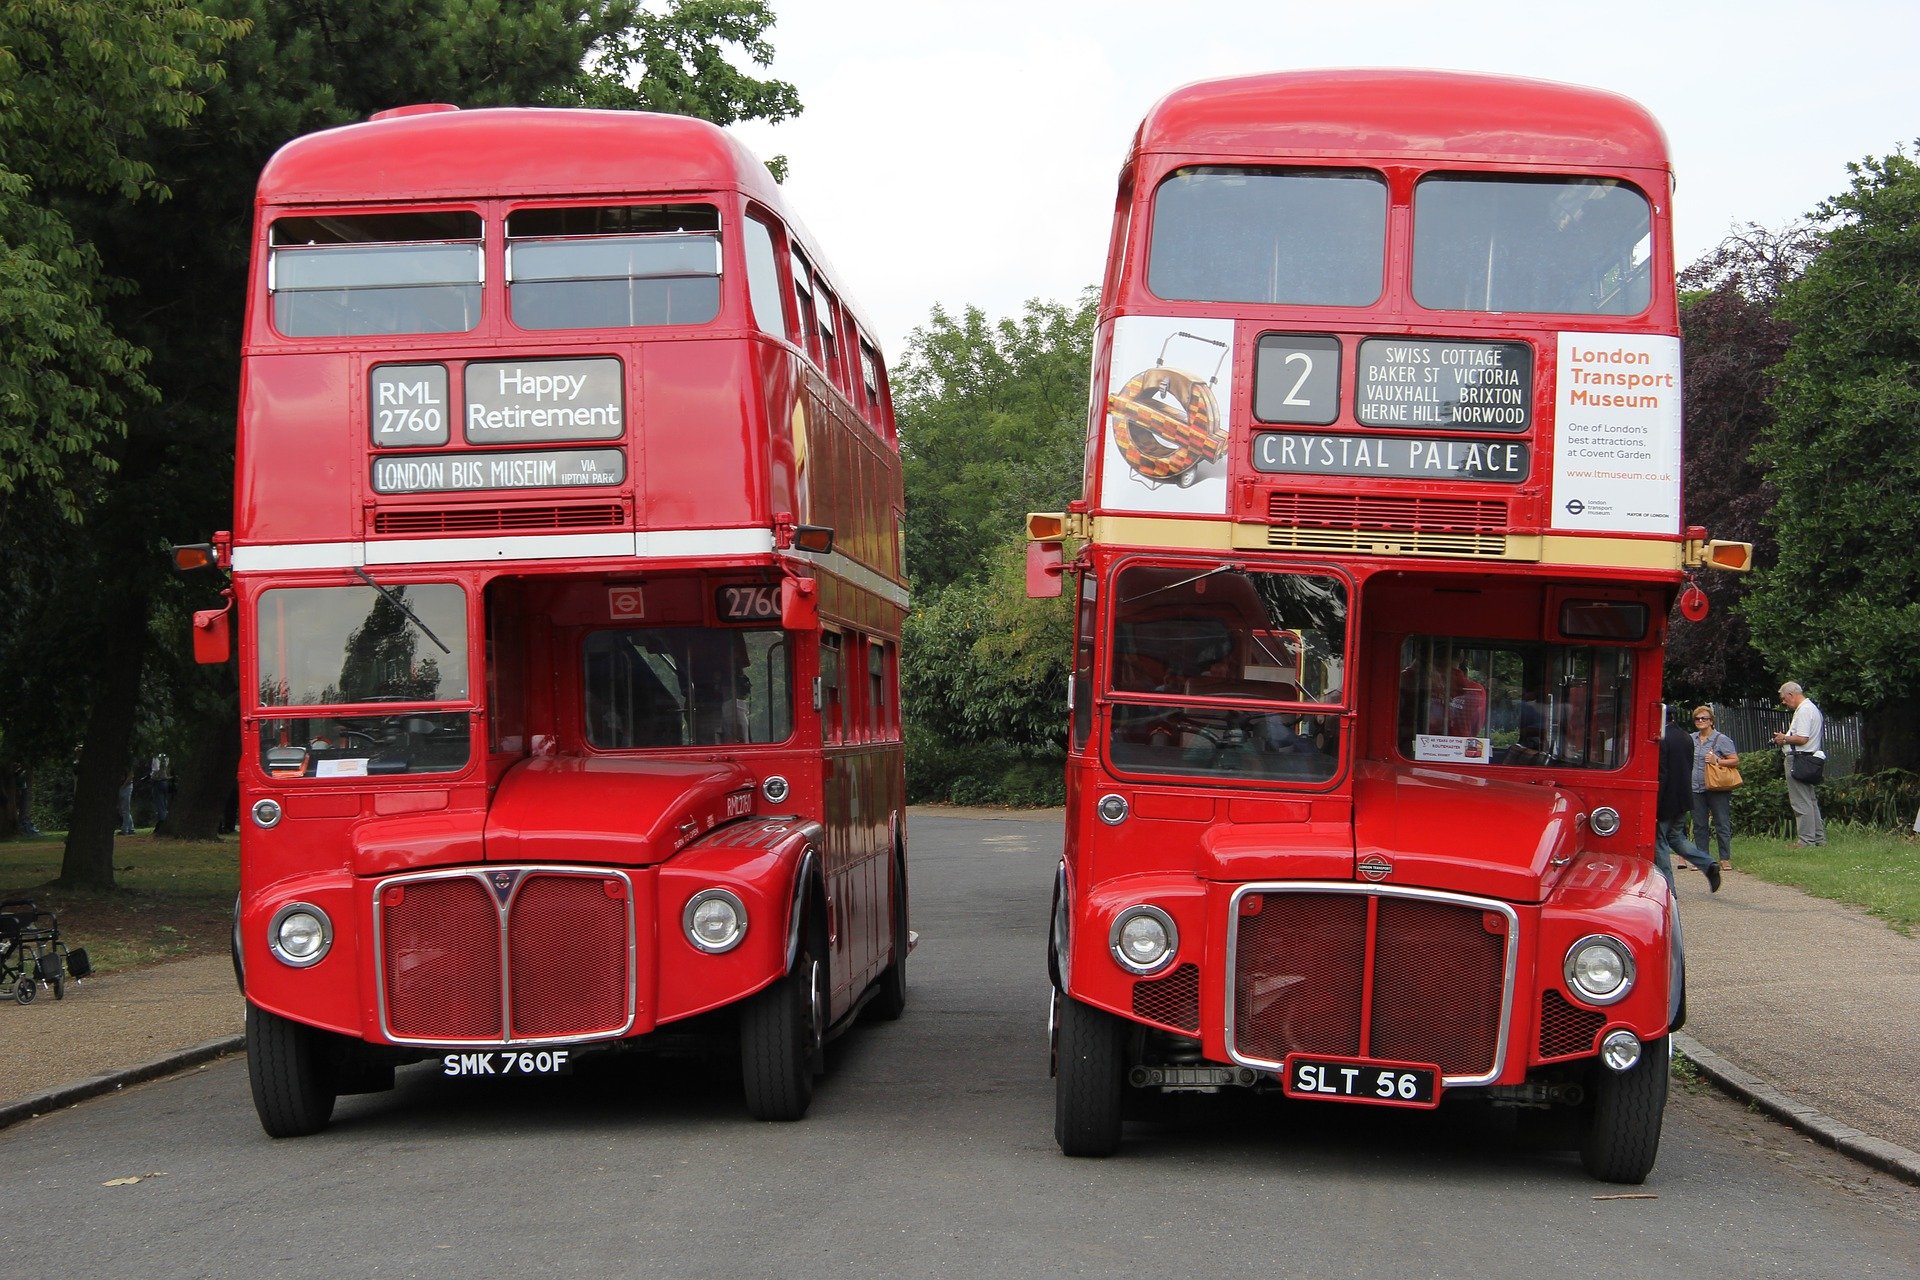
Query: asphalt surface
point(1803, 1008)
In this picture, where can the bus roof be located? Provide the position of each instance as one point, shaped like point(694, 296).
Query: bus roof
point(1416, 114)
point(430, 154)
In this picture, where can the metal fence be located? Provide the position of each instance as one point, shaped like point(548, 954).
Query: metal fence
point(1753, 727)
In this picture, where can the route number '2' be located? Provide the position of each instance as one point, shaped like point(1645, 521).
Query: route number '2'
point(1296, 379)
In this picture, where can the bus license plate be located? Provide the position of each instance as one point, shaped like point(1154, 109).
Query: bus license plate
point(1392, 1084)
point(509, 1062)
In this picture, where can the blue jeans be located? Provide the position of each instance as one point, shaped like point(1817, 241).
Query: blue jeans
point(1669, 836)
point(1718, 804)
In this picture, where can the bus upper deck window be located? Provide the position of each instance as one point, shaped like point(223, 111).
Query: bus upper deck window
point(613, 267)
point(1315, 236)
point(1567, 246)
point(763, 278)
point(350, 274)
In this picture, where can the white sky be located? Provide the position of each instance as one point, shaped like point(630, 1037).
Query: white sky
point(966, 151)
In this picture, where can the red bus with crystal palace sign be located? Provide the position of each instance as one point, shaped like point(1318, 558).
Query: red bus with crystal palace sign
point(568, 592)
point(1381, 530)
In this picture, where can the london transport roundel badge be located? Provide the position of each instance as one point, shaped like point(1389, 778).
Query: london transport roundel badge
point(1375, 868)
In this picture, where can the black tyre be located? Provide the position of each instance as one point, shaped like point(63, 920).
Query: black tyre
point(26, 989)
point(1622, 1135)
point(293, 1090)
point(780, 1039)
point(1091, 1079)
point(890, 1001)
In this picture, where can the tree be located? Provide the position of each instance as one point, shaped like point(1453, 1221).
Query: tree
point(158, 467)
point(992, 426)
point(1733, 340)
point(1839, 610)
point(993, 422)
point(83, 85)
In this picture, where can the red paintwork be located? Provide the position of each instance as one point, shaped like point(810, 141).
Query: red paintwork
point(618, 810)
point(1446, 117)
point(713, 453)
point(1515, 836)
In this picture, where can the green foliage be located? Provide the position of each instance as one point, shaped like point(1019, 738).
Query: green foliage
point(993, 421)
point(677, 60)
point(84, 86)
point(1840, 610)
point(1733, 339)
point(1882, 801)
point(981, 663)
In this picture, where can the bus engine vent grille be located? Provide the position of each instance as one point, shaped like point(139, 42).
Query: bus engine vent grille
point(1566, 1030)
point(1387, 525)
point(468, 520)
point(1172, 1002)
point(1303, 967)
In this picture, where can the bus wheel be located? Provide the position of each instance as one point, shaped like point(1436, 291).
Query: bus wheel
point(1622, 1134)
point(891, 999)
point(1092, 1075)
point(292, 1089)
point(780, 1038)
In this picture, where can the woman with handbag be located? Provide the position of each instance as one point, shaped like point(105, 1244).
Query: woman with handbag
point(1716, 772)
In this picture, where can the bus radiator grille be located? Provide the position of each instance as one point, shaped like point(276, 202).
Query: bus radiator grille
point(565, 970)
point(1303, 968)
point(1172, 1002)
point(440, 960)
point(1565, 1030)
point(567, 953)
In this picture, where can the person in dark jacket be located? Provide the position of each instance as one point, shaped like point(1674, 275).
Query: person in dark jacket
point(1674, 803)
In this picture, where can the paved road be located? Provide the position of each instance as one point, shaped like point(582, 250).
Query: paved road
point(929, 1153)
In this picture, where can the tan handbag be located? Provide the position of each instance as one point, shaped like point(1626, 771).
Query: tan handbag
point(1722, 777)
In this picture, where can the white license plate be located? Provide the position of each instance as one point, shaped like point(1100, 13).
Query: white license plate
point(1387, 1084)
point(508, 1062)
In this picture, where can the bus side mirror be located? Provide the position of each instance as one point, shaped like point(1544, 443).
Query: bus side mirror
point(213, 635)
point(1044, 561)
point(799, 604)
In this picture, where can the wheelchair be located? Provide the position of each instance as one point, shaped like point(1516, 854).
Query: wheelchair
point(33, 954)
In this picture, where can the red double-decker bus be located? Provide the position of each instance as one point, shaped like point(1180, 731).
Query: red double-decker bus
point(567, 580)
point(1381, 532)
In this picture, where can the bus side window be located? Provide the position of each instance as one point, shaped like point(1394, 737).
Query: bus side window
point(829, 344)
point(832, 726)
point(803, 302)
point(877, 714)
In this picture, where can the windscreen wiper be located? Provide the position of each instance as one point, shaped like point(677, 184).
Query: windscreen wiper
point(394, 599)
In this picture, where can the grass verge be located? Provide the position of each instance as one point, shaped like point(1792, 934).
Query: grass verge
point(1877, 871)
point(173, 898)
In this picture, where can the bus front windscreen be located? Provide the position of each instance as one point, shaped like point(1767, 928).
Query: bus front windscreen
point(1225, 672)
point(344, 647)
point(649, 687)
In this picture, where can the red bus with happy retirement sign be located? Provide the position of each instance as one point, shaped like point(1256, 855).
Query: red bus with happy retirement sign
point(566, 572)
point(1381, 530)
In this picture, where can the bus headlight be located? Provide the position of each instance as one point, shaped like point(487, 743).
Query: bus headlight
point(1599, 969)
point(715, 921)
point(300, 935)
point(1143, 939)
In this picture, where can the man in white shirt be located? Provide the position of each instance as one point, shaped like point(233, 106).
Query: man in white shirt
point(1802, 737)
